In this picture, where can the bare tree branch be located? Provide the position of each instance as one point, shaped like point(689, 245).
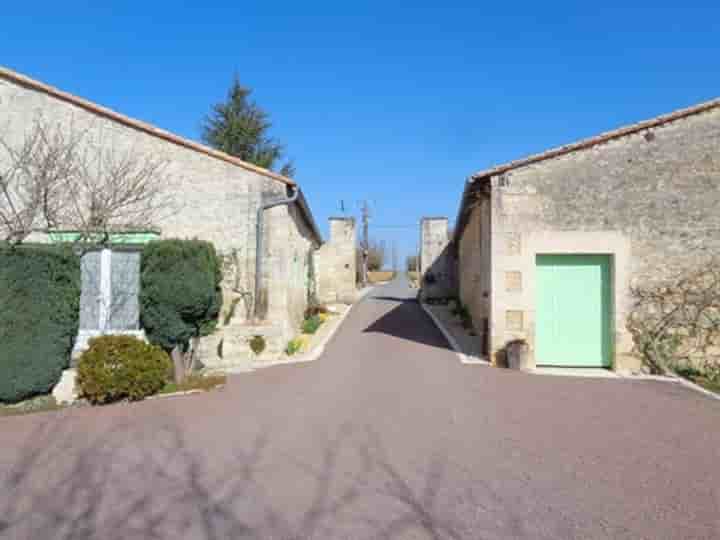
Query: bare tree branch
point(56, 178)
point(677, 322)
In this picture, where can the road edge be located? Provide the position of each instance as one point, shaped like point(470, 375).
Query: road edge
point(464, 358)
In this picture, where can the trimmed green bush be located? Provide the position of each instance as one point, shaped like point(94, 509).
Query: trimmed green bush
point(257, 344)
point(293, 346)
point(121, 367)
point(180, 294)
point(39, 299)
point(311, 325)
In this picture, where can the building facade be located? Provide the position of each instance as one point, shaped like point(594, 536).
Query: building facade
point(548, 248)
point(211, 196)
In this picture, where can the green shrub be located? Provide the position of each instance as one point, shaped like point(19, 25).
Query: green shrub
point(39, 299)
point(311, 324)
point(180, 294)
point(257, 344)
point(121, 367)
point(293, 346)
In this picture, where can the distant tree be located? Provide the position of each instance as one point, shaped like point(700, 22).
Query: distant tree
point(239, 127)
point(412, 263)
point(288, 169)
point(376, 255)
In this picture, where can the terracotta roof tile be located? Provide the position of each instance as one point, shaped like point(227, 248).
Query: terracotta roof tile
point(139, 125)
point(599, 139)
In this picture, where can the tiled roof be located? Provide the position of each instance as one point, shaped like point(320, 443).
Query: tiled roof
point(599, 139)
point(133, 123)
point(658, 121)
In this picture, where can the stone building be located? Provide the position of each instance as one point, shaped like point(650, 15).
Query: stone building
point(215, 197)
point(547, 247)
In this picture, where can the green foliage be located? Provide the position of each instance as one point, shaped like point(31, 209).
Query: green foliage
point(40, 296)
point(180, 294)
point(42, 403)
point(239, 127)
point(121, 367)
point(311, 324)
point(293, 346)
point(411, 263)
point(463, 313)
point(257, 344)
point(194, 381)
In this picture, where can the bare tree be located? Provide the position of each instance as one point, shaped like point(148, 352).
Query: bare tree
point(56, 178)
point(33, 181)
point(376, 255)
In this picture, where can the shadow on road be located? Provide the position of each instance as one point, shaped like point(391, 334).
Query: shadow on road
point(394, 299)
point(407, 321)
point(145, 481)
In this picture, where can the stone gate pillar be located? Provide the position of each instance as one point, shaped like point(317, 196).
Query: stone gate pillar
point(435, 261)
point(336, 263)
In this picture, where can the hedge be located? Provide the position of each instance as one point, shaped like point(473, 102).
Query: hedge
point(180, 294)
point(40, 297)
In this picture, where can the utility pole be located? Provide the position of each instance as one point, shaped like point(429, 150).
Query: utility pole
point(366, 242)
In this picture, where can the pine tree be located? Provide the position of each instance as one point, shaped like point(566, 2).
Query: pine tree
point(239, 127)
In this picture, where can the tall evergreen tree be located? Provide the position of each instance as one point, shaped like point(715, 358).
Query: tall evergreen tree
point(239, 127)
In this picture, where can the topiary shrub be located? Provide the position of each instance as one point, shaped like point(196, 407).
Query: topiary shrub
point(121, 367)
point(180, 295)
point(40, 296)
point(257, 344)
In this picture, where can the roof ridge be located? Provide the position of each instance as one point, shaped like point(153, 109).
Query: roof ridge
point(9, 74)
point(601, 138)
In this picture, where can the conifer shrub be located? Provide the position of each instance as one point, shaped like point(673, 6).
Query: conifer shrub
point(39, 299)
point(180, 294)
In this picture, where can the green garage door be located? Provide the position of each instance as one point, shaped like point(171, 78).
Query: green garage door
point(572, 326)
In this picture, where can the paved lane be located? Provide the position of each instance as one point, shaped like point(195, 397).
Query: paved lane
point(386, 436)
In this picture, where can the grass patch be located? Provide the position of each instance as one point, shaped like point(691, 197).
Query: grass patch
point(30, 406)
point(695, 375)
point(379, 276)
point(195, 382)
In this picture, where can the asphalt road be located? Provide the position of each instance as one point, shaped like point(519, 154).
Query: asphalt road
point(386, 436)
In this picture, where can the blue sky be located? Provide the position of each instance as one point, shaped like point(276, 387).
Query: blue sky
point(387, 101)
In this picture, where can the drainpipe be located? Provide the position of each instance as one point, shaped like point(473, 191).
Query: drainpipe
point(259, 228)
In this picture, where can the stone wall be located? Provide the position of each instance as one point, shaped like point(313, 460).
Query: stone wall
point(649, 199)
point(336, 263)
point(436, 267)
point(291, 248)
point(474, 266)
point(210, 199)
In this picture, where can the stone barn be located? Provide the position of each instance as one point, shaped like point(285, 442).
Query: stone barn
point(547, 248)
point(214, 197)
